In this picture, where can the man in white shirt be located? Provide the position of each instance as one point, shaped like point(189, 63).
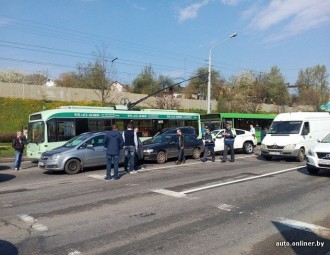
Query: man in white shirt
point(252, 130)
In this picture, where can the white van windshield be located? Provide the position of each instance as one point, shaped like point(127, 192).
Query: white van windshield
point(285, 127)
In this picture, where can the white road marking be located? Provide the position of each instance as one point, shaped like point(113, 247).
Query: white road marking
point(319, 230)
point(226, 207)
point(97, 176)
point(169, 193)
point(75, 252)
point(240, 180)
point(29, 219)
point(6, 205)
point(39, 227)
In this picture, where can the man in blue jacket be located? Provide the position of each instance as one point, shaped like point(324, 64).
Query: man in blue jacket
point(229, 140)
point(113, 142)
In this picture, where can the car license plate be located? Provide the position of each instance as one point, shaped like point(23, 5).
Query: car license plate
point(274, 153)
point(324, 162)
point(41, 164)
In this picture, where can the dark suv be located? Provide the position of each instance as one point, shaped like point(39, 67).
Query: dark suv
point(187, 130)
point(164, 145)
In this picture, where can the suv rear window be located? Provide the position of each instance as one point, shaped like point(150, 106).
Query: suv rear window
point(185, 130)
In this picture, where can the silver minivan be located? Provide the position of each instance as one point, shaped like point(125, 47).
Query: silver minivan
point(85, 150)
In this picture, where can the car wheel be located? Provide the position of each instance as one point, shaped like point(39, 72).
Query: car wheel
point(312, 170)
point(72, 166)
point(267, 157)
point(196, 153)
point(301, 155)
point(248, 147)
point(161, 157)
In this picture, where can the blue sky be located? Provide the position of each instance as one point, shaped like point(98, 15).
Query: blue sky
point(172, 36)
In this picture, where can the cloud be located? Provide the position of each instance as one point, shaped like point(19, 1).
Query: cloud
point(191, 11)
point(136, 6)
point(289, 17)
point(4, 22)
point(230, 2)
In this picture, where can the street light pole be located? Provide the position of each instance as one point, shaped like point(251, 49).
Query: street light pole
point(209, 78)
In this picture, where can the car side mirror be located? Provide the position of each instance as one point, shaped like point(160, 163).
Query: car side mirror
point(89, 146)
point(219, 136)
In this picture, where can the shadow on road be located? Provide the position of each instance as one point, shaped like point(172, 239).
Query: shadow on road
point(321, 173)
point(301, 241)
point(7, 248)
point(5, 178)
point(4, 167)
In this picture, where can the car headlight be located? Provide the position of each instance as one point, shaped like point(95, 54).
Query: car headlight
point(290, 147)
point(263, 146)
point(310, 152)
point(55, 156)
point(148, 150)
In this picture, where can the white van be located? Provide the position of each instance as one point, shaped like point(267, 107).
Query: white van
point(292, 134)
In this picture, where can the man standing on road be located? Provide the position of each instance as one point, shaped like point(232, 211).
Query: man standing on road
point(181, 157)
point(229, 140)
point(138, 152)
point(131, 146)
point(18, 144)
point(209, 145)
point(113, 142)
point(253, 130)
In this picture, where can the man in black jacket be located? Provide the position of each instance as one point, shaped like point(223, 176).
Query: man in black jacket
point(18, 145)
point(130, 146)
point(181, 157)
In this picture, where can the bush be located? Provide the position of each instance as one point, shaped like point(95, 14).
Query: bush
point(7, 137)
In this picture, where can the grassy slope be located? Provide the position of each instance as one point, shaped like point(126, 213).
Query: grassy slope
point(15, 112)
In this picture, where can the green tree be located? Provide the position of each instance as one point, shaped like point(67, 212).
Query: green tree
point(97, 75)
point(38, 78)
point(275, 89)
point(243, 93)
point(199, 85)
point(69, 80)
point(145, 82)
point(313, 86)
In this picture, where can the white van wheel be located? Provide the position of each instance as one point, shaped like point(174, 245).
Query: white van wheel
point(301, 155)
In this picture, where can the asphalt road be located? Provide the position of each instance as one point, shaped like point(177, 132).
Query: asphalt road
point(251, 206)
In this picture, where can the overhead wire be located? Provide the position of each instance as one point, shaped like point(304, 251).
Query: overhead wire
point(90, 39)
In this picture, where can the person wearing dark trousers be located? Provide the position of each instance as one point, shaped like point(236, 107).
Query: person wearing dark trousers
point(113, 142)
point(209, 146)
point(181, 157)
point(137, 161)
point(229, 140)
point(130, 146)
point(18, 144)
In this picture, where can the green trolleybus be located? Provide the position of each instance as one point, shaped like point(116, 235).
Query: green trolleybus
point(239, 120)
point(49, 129)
